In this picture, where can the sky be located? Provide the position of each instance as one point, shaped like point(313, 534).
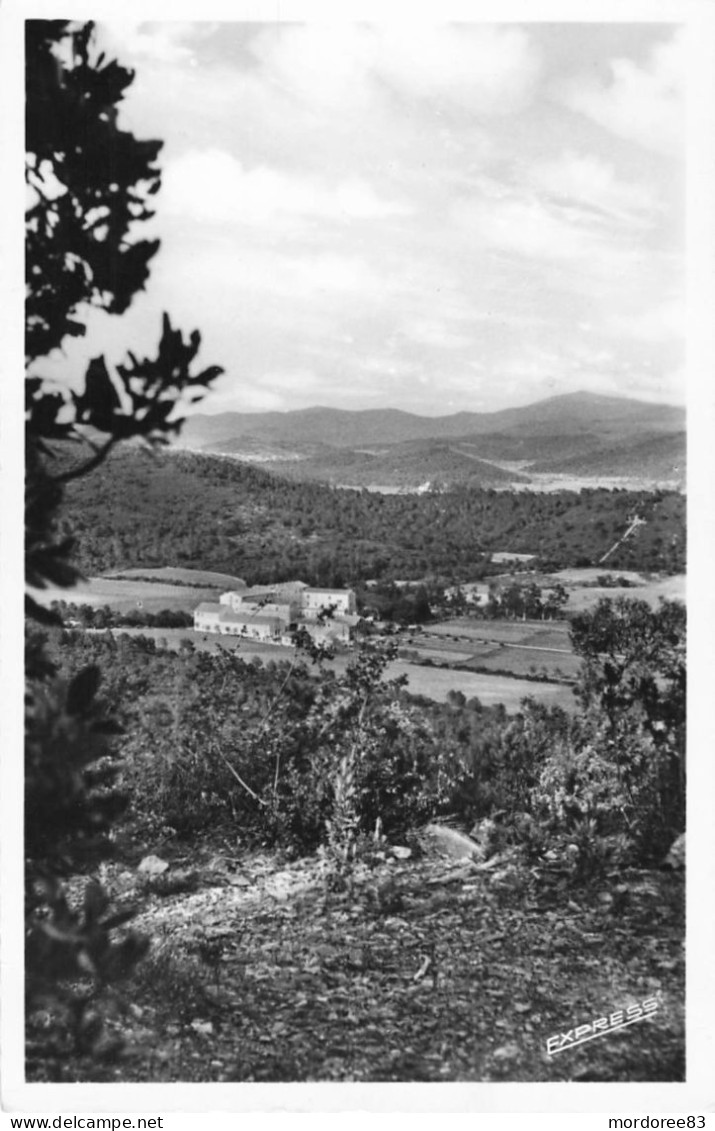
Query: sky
point(430, 217)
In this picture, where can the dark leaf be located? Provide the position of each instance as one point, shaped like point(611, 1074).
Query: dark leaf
point(82, 690)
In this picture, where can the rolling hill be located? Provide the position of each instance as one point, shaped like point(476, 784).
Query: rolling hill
point(408, 465)
point(579, 434)
point(656, 457)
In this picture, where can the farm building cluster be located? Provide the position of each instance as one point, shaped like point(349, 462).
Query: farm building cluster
point(272, 613)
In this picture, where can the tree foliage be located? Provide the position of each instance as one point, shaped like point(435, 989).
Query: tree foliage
point(634, 661)
point(90, 186)
point(90, 183)
point(633, 690)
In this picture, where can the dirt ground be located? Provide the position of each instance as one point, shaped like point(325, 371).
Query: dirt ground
point(416, 970)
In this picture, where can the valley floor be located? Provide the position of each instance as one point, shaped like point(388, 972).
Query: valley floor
point(433, 682)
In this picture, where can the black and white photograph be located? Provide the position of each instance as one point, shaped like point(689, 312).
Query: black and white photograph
point(358, 361)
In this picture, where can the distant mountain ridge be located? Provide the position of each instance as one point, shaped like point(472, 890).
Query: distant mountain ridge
point(345, 428)
point(584, 434)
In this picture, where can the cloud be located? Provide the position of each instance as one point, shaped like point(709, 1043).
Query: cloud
point(485, 69)
point(316, 63)
point(435, 333)
point(664, 322)
point(553, 242)
point(590, 182)
point(359, 213)
point(643, 104)
point(303, 381)
point(524, 226)
point(243, 397)
point(167, 42)
point(213, 186)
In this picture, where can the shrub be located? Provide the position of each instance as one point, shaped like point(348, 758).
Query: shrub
point(281, 755)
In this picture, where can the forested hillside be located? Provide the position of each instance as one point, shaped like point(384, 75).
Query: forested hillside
point(211, 513)
point(654, 457)
point(412, 464)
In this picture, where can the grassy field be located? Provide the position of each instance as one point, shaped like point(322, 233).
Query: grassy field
point(125, 595)
point(592, 574)
point(198, 578)
point(527, 662)
point(436, 683)
point(671, 588)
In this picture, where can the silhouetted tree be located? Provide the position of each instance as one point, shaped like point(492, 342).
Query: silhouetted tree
point(90, 185)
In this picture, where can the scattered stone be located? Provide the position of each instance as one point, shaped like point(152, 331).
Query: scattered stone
point(506, 1052)
point(172, 883)
point(454, 876)
point(487, 865)
point(400, 851)
point(152, 866)
point(485, 833)
point(676, 857)
point(216, 864)
point(452, 843)
point(204, 1028)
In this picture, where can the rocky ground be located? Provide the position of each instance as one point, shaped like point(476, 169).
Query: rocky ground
point(410, 969)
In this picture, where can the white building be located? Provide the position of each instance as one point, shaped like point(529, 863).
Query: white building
point(280, 600)
point(341, 601)
point(209, 617)
point(337, 630)
point(267, 612)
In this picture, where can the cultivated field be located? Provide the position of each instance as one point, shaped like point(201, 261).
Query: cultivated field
point(518, 648)
point(537, 633)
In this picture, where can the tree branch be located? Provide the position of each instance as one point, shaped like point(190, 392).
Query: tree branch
point(238, 778)
point(100, 454)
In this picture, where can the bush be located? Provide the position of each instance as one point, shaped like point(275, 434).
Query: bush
point(495, 760)
point(279, 754)
point(579, 785)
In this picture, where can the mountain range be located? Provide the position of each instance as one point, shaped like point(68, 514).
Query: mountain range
point(564, 438)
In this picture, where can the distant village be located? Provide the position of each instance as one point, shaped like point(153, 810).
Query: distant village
point(273, 613)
